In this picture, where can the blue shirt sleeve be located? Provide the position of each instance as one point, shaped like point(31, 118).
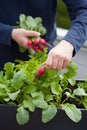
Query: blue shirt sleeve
point(5, 34)
point(77, 33)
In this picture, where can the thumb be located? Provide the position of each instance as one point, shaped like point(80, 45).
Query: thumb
point(43, 65)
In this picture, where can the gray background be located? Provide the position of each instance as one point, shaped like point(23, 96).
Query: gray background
point(81, 60)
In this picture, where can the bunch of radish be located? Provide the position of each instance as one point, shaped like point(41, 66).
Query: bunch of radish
point(37, 44)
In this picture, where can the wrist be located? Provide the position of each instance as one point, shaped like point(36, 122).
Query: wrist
point(13, 36)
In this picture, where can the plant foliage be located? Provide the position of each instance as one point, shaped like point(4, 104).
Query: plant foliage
point(21, 86)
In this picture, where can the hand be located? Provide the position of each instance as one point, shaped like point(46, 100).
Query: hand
point(21, 36)
point(60, 56)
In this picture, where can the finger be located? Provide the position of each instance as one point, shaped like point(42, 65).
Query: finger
point(33, 33)
point(55, 61)
point(48, 62)
point(60, 64)
point(43, 65)
point(65, 63)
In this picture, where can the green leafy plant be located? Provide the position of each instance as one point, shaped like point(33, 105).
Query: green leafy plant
point(28, 85)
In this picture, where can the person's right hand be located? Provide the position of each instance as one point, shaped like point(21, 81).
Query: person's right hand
point(59, 56)
point(21, 36)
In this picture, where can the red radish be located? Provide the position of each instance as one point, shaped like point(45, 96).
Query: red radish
point(40, 72)
point(42, 41)
point(29, 43)
point(41, 48)
point(35, 42)
point(35, 47)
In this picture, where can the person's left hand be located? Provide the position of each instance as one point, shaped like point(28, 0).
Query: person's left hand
point(60, 56)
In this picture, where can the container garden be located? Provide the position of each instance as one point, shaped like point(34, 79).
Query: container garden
point(16, 92)
point(60, 121)
point(33, 97)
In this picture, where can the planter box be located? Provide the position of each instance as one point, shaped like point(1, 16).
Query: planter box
point(60, 122)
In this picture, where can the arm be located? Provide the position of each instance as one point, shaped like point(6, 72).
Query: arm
point(20, 36)
point(77, 34)
point(5, 34)
point(60, 56)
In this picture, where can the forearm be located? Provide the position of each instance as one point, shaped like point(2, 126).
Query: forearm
point(5, 34)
